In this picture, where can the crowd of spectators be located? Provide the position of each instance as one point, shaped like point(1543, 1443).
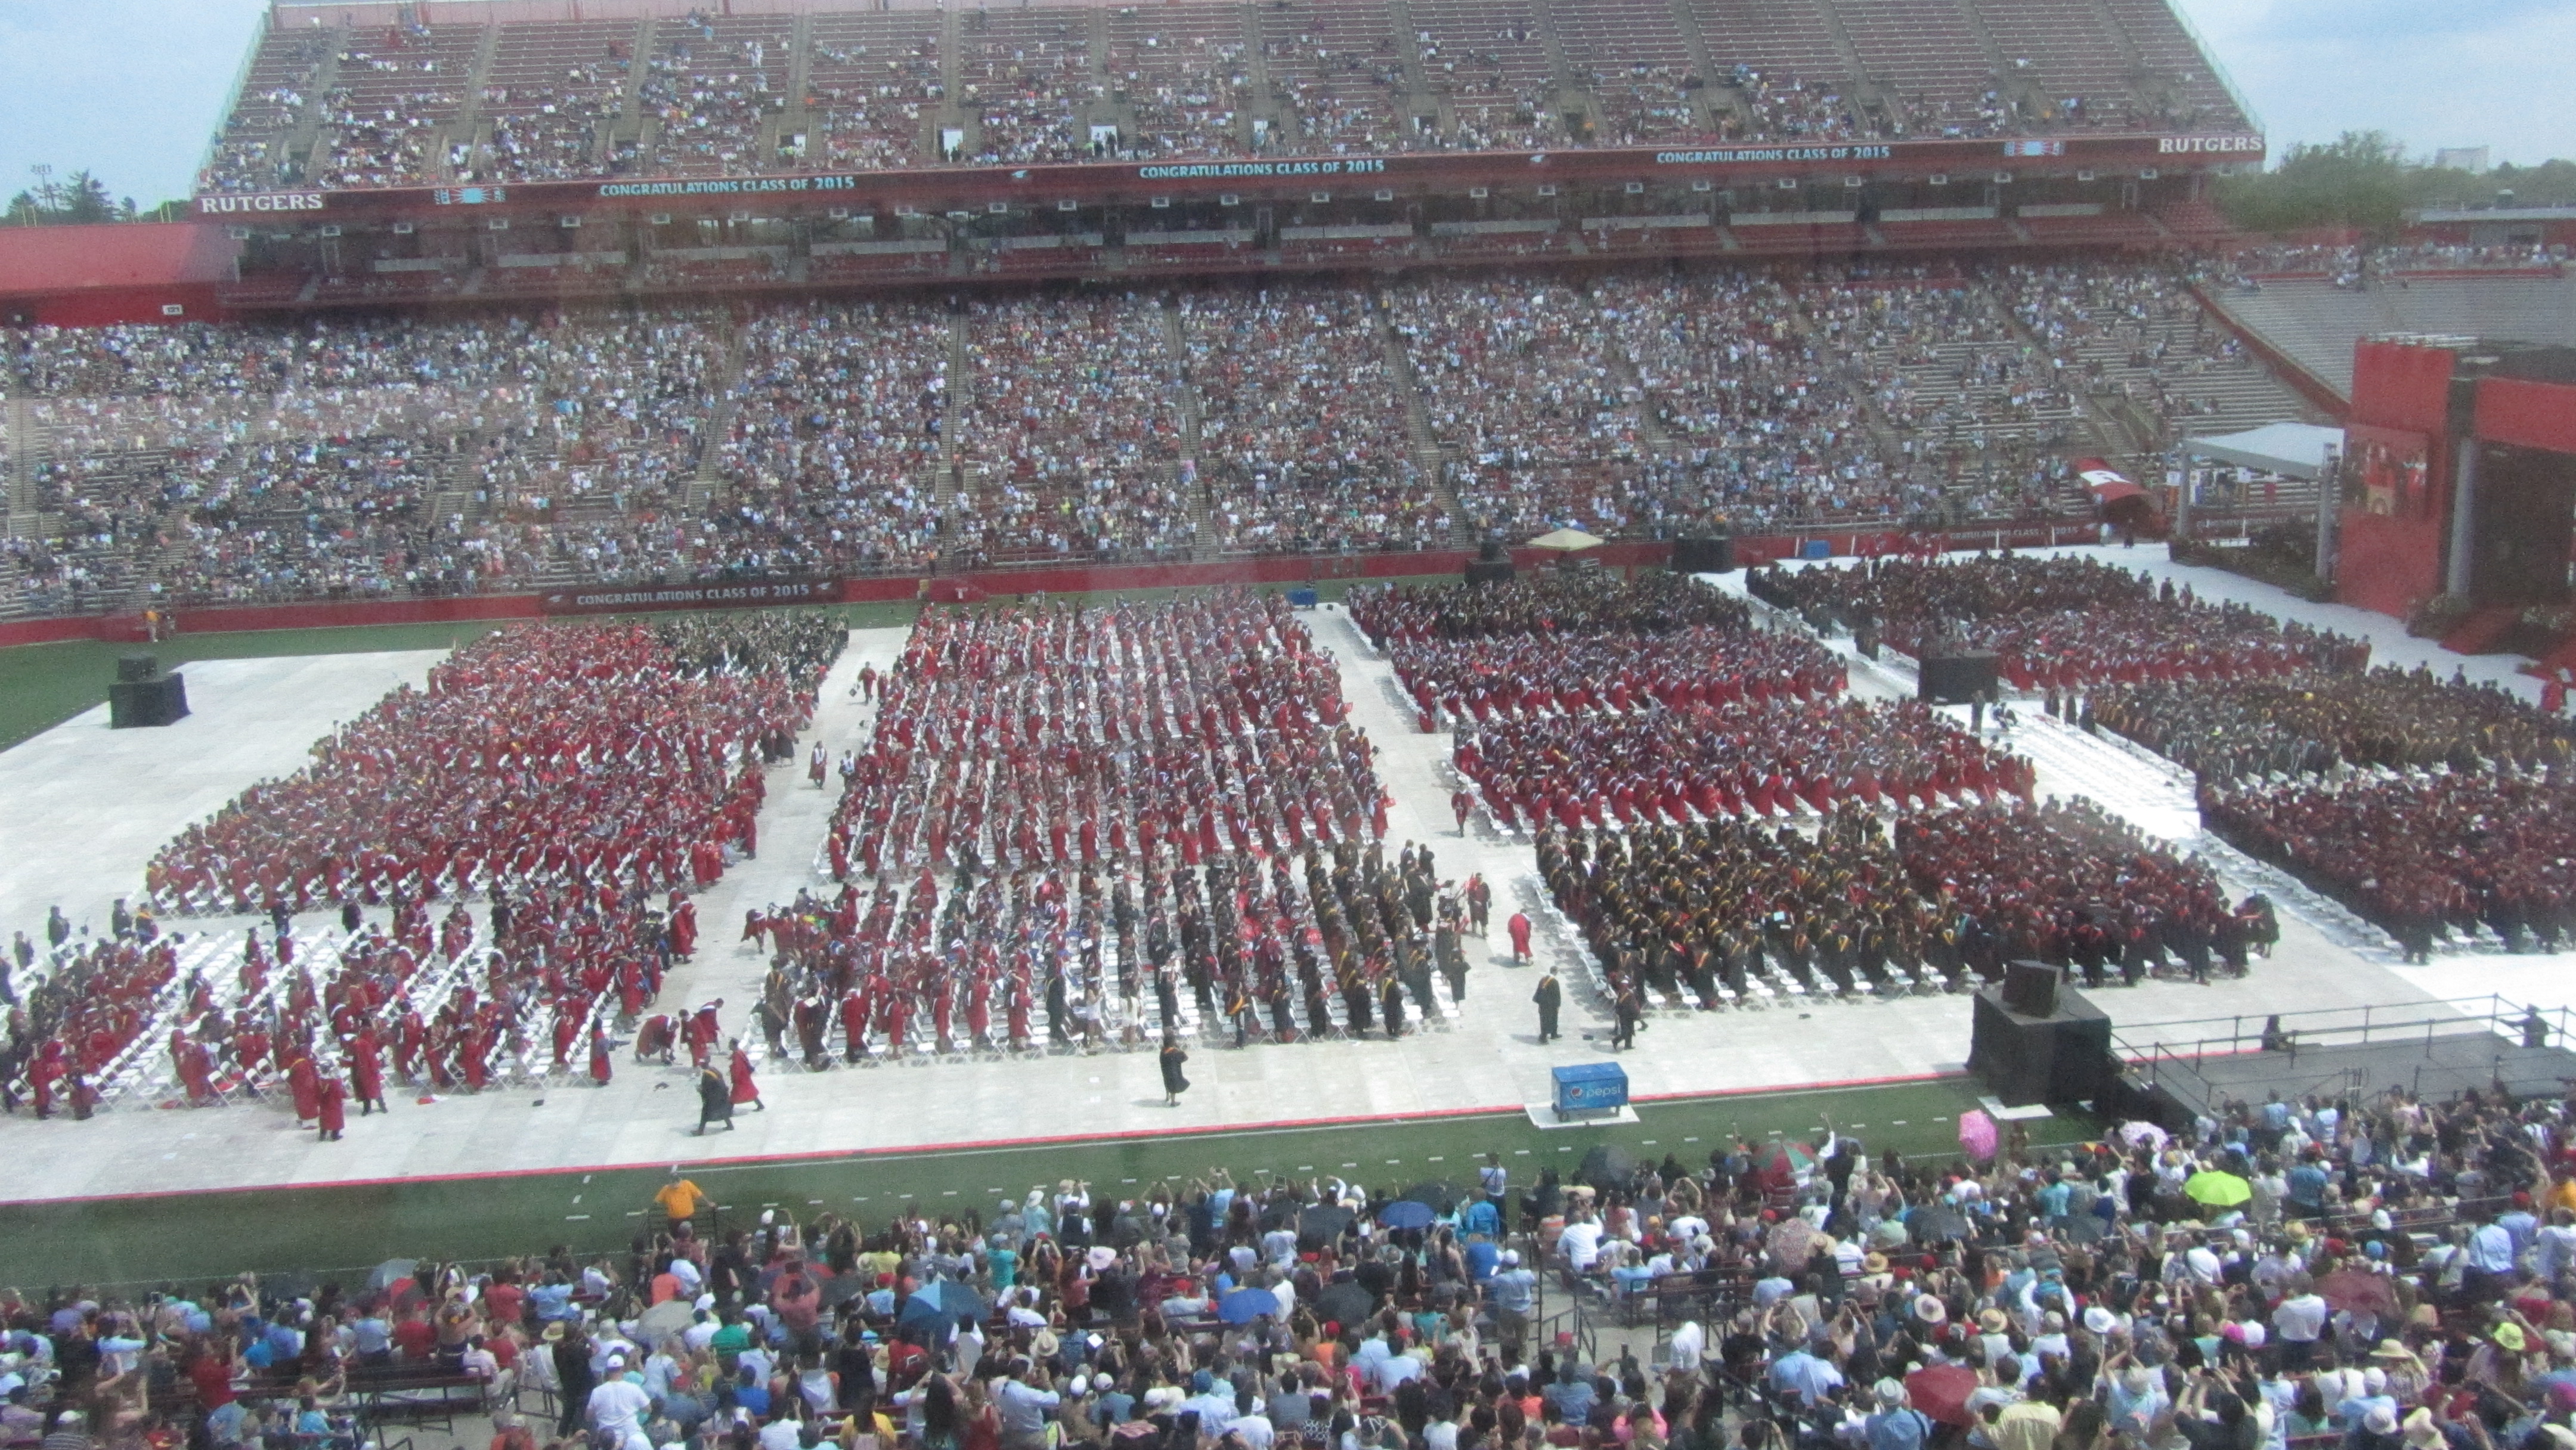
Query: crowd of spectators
point(2063, 622)
point(2390, 1274)
point(373, 457)
point(1302, 435)
point(1556, 603)
point(1730, 912)
point(1572, 643)
point(2423, 856)
point(1072, 433)
point(1748, 755)
point(401, 105)
point(559, 753)
point(1121, 774)
point(838, 432)
point(2069, 883)
point(2320, 723)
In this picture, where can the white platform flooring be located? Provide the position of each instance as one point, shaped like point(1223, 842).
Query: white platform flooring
point(88, 807)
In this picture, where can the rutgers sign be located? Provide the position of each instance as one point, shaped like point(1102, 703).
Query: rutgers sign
point(263, 201)
point(2204, 145)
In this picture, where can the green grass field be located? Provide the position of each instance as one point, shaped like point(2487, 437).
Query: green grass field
point(42, 685)
point(334, 1230)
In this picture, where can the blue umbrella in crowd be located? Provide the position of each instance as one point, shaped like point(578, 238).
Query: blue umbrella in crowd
point(1242, 1306)
point(1405, 1213)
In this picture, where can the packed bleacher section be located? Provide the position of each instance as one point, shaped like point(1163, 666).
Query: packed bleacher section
point(486, 775)
point(2376, 1283)
point(2426, 856)
point(2059, 623)
point(370, 458)
point(836, 438)
point(2326, 724)
point(1108, 825)
point(1727, 912)
point(1302, 436)
point(1071, 435)
point(707, 94)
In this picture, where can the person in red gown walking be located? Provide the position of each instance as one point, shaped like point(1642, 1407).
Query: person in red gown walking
point(304, 1081)
point(366, 1072)
point(600, 1067)
point(331, 1109)
point(1519, 927)
point(739, 1070)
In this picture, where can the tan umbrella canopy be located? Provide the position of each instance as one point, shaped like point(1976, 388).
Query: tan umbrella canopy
point(1570, 541)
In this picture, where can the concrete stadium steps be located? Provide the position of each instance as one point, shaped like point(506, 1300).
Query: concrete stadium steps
point(2316, 323)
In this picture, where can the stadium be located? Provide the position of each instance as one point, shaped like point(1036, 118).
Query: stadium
point(1413, 723)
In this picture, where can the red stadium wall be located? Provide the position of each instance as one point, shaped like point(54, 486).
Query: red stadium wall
point(2392, 561)
point(2527, 413)
point(129, 272)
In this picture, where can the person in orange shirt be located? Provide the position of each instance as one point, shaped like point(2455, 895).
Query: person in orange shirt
point(680, 1199)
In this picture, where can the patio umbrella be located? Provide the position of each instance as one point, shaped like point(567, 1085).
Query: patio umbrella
point(922, 1320)
point(1941, 1393)
point(840, 1289)
point(1405, 1213)
point(1245, 1305)
point(390, 1273)
point(1567, 541)
point(1934, 1223)
point(1607, 1166)
point(2213, 1189)
point(1321, 1223)
point(2142, 1134)
point(2359, 1289)
point(1439, 1197)
point(665, 1319)
point(1279, 1214)
point(1790, 1242)
point(1977, 1137)
point(1782, 1164)
point(1343, 1304)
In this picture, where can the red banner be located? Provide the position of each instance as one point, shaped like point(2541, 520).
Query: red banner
point(729, 594)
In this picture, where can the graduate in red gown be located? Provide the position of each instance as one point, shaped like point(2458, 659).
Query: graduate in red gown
point(366, 1071)
point(600, 1067)
point(305, 1082)
point(196, 1069)
point(684, 925)
point(739, 1071)
point(330, 1109)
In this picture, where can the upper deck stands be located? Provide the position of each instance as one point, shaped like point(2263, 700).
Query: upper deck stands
point(1023, 77)
point(1184, 75)
point(872, 85)
point(708, 87)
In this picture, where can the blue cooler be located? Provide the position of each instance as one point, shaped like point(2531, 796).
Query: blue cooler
point(1301, 598)
point(1590, 1087)
point(1816, 549)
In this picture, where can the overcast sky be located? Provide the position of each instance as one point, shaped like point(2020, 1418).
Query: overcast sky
point(131, 88)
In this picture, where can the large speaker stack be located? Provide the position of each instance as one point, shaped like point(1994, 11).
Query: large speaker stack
point(142, 695)
point(1491, 565)
point(2035, 1041)
point(1956, 678)
point(1704, 556)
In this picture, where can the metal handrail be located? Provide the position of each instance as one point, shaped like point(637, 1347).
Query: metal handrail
point(2489, 1015)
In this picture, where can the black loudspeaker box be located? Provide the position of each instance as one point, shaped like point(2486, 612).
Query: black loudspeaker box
point(2030, 988)
point(2061, 1058)
point(1955, 679)
point(130, 668)
point(1704, 556)
point(1489, 571)
point(133, 703)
